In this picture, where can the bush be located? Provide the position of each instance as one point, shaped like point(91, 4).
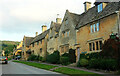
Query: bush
point(94, 63)
point(65, 55)
point(110, 48)
point(91, 55)
point(34, 58)
point(38, 58)
point(71, 55)
point(64, 60)
point(83, 62)
point(105, 64)
point(54, 58)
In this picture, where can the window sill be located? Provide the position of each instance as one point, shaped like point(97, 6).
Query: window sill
point(94, 51)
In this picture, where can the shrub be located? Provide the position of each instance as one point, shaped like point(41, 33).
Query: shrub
point(38, 58)
point(64, 60)
point(65, 55)
point(91, 55)
point(71, 55)
point(110, 48)
point(94, 63)
point(82, 62)
point(105, 64)
point(54, 58)
point(32, 57)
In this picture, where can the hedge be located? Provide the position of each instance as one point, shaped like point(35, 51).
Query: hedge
point(54, 58)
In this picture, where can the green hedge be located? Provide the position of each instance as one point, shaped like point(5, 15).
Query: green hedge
point(64, 60)
point(105, 64)
point(54, 58)
point(34, 58)
point(83, 62)
point(71, 55)
point(91, 55)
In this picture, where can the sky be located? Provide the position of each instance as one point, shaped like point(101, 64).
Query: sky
point(25, 17)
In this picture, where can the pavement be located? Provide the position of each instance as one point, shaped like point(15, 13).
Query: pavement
point(18, 69)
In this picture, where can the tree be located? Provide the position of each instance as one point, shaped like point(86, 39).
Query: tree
point(111, 48)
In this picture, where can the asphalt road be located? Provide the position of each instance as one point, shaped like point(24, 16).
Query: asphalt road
point(18, 69)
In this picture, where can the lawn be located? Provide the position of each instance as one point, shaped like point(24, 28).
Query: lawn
point(74, 72)
point(9, 59)
point(38, 65)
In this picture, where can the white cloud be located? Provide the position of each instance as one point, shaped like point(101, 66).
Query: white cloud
point(45, 10)
point(18, 16)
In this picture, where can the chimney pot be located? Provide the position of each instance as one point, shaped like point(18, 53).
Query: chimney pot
point(44, 28)
point(36, 33)
point(58, 20)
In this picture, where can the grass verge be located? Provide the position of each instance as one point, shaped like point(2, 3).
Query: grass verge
point(63, 70)
point(75, 72)
point(38, 65)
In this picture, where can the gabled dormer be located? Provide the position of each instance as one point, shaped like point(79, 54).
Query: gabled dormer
point(100, 5)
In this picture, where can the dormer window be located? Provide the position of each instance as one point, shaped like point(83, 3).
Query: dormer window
point(100, 7)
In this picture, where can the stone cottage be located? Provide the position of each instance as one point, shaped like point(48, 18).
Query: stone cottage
point(67, 33)
point(53, 36)
point(95, 26)
point(39, 43)
point(26, 47)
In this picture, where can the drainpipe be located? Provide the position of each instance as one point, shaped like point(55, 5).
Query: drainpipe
point(118, 22)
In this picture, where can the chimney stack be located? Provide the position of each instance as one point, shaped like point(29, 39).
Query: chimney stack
point(58, 20)
point(36, 33)
point(87, 6)
point(44, 28)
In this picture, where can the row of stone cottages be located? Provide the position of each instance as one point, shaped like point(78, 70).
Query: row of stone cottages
point(84, 32)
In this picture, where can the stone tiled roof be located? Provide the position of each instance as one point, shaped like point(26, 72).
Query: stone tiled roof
point(92, 14)
point(75, 17)
point(57, 27)
point(40, 36)
point(28, 40)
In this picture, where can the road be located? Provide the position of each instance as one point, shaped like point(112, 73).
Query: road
point(23, 70)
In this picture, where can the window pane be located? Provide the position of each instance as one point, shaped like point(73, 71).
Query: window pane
point(41, 41)
point(100, 43)
point(90, 47)
point(91, 29)
point(94, 28)
point(38, 43)
point(97, 48)
point(100, 7)
point(93, 46)
point(97, 26)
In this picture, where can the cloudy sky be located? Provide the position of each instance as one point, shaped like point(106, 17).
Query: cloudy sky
point(25, 17)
